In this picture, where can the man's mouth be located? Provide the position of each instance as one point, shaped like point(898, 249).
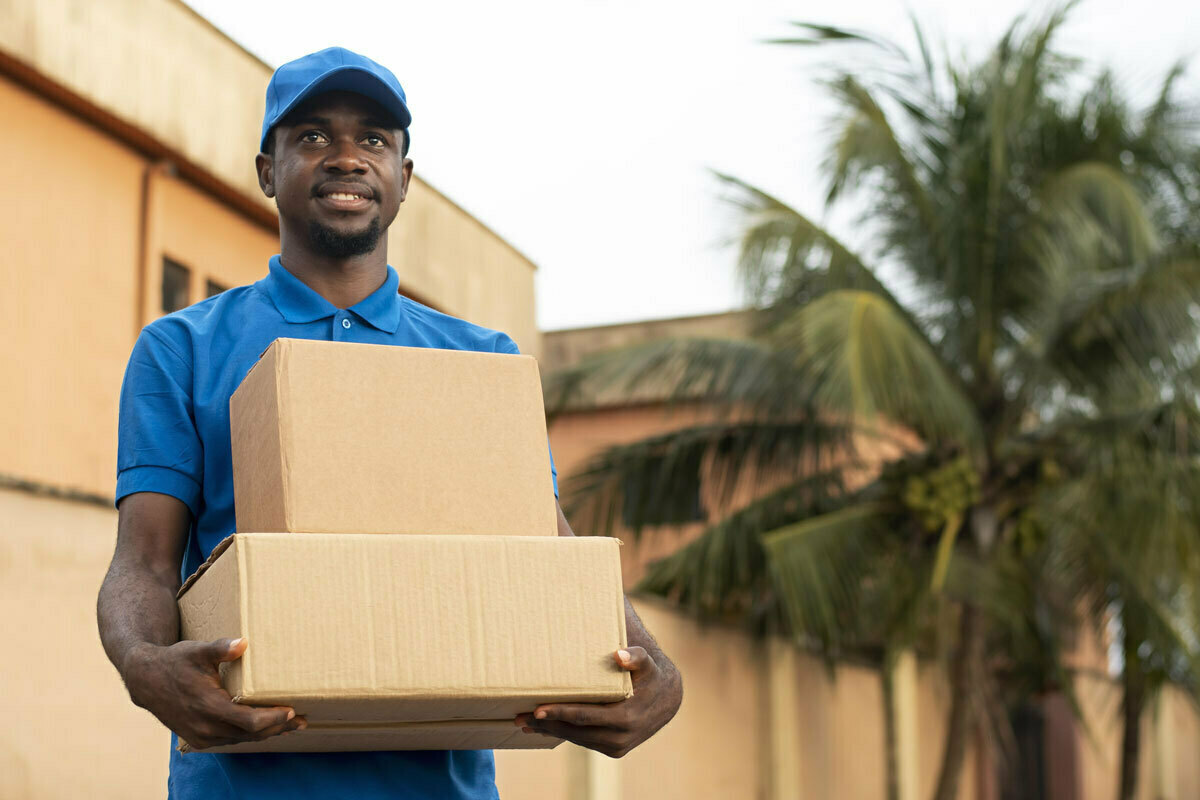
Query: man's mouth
point(345, 199)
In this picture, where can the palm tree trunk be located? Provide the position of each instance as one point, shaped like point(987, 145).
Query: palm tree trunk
point(964, 671)
point(889, 724)
point(1132, 706)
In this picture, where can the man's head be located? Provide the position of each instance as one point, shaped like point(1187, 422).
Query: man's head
point(334, 145)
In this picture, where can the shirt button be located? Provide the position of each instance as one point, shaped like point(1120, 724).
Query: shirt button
point(345, 323)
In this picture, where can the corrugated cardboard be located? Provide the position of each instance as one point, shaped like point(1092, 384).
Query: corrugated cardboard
point(378, 629)
point(333, 737)
point(337, 437)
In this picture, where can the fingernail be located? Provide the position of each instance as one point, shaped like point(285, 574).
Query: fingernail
point(291, 715)
point(623, 655)
point(540, 714)
point(235, 642)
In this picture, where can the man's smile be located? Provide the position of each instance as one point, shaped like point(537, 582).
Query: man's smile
point(345, 197)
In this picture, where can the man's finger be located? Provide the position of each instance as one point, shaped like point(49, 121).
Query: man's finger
point(606, 740)
point(252, 719)
point(601, 715)
point(637, 661)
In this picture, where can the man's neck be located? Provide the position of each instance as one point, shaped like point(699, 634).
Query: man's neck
point(344, 282)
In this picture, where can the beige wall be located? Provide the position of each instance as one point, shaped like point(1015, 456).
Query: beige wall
point(122, 56)
point(451, 260)
point(70, 730)
point(72, 284)
point(182, 224)
point(69, 272)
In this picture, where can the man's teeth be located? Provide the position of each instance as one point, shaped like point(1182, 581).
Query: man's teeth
point(344, 196)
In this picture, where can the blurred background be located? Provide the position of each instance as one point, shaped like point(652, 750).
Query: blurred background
point(873, 332)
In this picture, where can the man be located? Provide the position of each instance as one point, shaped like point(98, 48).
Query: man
point(334, 156)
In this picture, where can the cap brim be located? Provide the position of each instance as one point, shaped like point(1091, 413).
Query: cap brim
point(348, 79)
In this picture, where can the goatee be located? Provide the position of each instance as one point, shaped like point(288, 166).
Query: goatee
point(333, 244)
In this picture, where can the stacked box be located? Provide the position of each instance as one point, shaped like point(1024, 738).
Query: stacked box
point(396, 568)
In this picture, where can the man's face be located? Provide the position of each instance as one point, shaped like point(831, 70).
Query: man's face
point(337, 173)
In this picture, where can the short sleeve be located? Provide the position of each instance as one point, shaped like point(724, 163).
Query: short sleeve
point(158, 448)
point(505, 344)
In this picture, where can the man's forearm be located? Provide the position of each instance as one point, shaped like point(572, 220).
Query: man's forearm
point(135, 607)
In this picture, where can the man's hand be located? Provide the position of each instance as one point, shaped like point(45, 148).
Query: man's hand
point(614, 728)
point(180, 684)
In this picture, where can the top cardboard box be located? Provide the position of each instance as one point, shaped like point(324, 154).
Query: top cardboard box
point(336, 437)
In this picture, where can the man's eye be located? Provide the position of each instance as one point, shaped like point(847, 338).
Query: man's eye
point(374, 140)
point(312, 137)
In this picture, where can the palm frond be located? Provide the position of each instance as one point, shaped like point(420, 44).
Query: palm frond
point(723, 573)
point(866, 362)
point(686, 474)
point(784, 254)
point(727, 374)
point(1138, 323)
point(819, 565)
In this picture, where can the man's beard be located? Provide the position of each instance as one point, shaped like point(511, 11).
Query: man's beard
point(329, 242)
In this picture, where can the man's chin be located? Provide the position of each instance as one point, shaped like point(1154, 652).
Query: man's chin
point(340, 242)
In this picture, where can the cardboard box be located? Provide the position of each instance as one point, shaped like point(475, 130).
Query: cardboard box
point(336, 437)
point(365, 634)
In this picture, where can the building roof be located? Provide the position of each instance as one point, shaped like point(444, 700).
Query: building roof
point(564, 349)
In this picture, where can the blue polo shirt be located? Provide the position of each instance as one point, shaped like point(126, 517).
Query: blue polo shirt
point(174, 439)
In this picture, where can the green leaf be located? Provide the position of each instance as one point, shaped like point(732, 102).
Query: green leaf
point(866, 362)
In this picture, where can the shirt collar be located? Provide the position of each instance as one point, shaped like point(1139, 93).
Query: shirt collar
point(298, 303)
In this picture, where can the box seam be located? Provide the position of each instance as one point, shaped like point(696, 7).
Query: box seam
point(283, 431)
point(243, 555)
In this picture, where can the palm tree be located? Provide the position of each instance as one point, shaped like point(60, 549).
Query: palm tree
point(1042, 349)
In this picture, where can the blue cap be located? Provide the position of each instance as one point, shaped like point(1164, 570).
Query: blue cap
point(331, 69)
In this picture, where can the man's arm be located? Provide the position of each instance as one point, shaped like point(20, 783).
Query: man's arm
point(616, 728)
point(177, 682)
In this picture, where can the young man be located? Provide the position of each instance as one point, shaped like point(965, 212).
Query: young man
point(334, 146)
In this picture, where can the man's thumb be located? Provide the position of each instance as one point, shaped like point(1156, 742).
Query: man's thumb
point(226, 649)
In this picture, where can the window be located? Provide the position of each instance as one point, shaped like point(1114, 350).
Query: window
point(211, 288)
point(176, 279)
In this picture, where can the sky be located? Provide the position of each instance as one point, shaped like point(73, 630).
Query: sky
point(585, 132)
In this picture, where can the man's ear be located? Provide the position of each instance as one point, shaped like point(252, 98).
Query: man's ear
point(405, 175)
point(265, 166)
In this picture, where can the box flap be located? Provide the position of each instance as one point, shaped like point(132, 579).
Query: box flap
point(221, 547)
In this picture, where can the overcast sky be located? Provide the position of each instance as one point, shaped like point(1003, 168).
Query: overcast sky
point(583, 131)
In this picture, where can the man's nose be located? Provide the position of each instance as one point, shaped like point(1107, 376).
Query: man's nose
point(344, 156)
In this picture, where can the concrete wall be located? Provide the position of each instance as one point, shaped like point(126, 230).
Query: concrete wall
point(69, 270)
point(70, 729)
point(82, 269)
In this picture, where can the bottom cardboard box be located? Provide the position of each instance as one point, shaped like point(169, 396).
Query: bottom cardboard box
point(412, 642)
point(332, 737)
